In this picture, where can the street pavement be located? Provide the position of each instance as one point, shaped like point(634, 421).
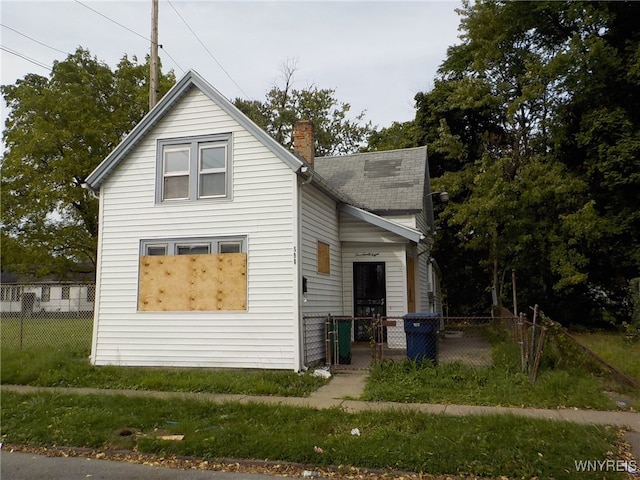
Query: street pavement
point(28, 466)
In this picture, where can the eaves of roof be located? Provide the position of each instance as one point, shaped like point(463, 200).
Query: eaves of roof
point(409, 233)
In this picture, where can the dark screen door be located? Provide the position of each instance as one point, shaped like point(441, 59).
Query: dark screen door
point(370, 296)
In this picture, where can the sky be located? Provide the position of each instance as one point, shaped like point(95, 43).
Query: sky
point(376, 55)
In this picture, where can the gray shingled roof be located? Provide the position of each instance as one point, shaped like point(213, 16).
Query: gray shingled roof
point(392, 180)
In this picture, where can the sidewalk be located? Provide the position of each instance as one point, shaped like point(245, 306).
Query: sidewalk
point(345, 387)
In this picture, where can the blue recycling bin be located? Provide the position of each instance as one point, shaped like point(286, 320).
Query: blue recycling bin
point(422, 331)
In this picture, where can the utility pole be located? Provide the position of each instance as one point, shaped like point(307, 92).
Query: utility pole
point(153, 73)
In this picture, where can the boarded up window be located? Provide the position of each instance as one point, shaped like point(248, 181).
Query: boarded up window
point(324, 258)
point(193, 282)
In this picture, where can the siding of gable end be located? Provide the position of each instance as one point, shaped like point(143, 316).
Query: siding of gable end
point(262, 336)
point(354, 230)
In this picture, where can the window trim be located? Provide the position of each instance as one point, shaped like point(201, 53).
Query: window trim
point(222, 243)
point(148, 246)
point(191, 245)
point(323, 257)
point(208, 171)
point(179, 173)
point(213, 243)
point(195, 145)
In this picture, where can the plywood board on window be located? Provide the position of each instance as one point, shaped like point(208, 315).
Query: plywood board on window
point(324, 258)
point(193, 282)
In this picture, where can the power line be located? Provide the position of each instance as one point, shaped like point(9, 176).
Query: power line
point(130, 30)
point(33, 39)
point(172, 59)
point(114, 21)
point(208, 51)
point(24, 57)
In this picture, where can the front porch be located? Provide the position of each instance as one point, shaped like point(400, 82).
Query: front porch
point(459, 340)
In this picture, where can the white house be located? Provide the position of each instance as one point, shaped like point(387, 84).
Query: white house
point(46, 298)
point(215, 241)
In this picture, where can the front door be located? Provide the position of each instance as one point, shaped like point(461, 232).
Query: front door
point(369, 296)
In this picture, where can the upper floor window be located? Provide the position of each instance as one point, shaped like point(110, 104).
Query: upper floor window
point(193, 168)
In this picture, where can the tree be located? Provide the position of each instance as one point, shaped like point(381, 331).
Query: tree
point(534, 117)
point(284, 105)
point(58, 130)
point(597, 130)
point(398, 135)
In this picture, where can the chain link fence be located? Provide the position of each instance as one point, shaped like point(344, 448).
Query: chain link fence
point(357, 342)
point(44, 316)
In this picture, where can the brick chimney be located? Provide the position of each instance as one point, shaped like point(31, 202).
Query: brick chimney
point(303, 140)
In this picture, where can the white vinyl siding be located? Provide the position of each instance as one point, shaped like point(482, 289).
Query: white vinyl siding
point(425, 284)
point(320, 224)
point(354, 230)
point(263, 336)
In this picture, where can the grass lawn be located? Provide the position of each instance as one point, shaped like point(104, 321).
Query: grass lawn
point(500, 384)
point(401, 440)
point(62, 368)
point(616, 349)
point(65, 333)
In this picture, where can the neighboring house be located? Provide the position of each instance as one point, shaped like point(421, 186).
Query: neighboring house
point(215, 240)
point(46, 298)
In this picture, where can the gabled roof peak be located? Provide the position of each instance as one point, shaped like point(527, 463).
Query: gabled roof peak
point(189, 80)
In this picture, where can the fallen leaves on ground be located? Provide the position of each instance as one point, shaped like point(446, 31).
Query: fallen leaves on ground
point(281, 469)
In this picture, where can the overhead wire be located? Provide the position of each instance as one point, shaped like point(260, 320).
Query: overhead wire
point(114, 21)
point(132, 31)
point(206, 49)
point(24, 57)
point(33, 39)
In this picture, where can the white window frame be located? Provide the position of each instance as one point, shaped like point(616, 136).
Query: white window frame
point(195, 145)
point(179, 173)
point(206, 245)
point(149, 246)
point(237, 243)
point(202, 171)
point(213, 244)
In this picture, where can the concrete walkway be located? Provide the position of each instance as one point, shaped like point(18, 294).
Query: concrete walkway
point(345, 387)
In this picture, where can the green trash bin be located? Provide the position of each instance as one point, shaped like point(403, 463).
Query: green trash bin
point(341, 331)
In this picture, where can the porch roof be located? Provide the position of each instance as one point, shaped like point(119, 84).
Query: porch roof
point(409, 233)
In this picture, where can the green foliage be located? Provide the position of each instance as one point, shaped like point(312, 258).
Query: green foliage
point(533, 128)
point(397, 136)
point(58, 130)
point(486, 446)
point(335, 133)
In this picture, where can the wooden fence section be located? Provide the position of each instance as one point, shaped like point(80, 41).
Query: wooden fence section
point(193, 282)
